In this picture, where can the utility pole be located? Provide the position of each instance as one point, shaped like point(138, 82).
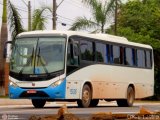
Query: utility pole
point(29, 16)
point(54, 14)
point(29, 13)
point(116, 9)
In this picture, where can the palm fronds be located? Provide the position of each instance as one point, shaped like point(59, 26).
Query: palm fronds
point(83, 23)
point(38, 20)
point(14, 21)
point(101, 12)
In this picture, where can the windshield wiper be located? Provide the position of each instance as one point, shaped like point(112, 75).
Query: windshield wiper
point(43, 64)
point(28, 62)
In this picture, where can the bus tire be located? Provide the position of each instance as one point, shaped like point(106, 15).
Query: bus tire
point(130, 98)
point(86, 97)
point(38, 103)
point(94, 102)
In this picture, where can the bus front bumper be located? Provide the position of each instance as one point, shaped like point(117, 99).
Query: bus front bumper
point(50, 92)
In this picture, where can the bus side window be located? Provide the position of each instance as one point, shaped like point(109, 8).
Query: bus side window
point(72, 53)
point(107, 53)
point(141, 58)
point(134, 57)
point(128, 57)
point(111, 54)
point(116, 54)
point(72, 56)
point(148, 59)
point(76, 54)
point(122, 55)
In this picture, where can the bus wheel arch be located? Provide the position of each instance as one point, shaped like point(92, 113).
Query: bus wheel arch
point(86, 96)
point(130, 94)
point(130, 97)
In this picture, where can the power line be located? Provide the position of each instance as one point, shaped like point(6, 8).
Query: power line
point(24, 2)
point(73, 3)
point(17, 7)
point(21, 9)
point(60, 3)
point(66, 18)
point(63, 23)
point(61, 17)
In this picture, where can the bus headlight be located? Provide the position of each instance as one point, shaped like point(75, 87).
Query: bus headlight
point(13, 84)
point(58, 82)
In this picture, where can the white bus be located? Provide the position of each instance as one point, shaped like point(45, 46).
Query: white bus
point(74, 66)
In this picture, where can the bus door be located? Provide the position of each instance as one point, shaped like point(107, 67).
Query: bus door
point(73, 63)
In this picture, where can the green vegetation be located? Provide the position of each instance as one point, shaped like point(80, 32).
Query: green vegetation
point(15, 22)
point(4, 97)
point(101, 13)
point(138, 21)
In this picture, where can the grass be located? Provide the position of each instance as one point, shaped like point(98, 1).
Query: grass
point(4, 97)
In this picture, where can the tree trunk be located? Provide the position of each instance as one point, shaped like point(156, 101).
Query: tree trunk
point(4, 36)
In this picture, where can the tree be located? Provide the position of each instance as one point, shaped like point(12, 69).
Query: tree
point(38, 20)
point(100, 14)
point(15, 21)
point(16, 27)
point(139, 22)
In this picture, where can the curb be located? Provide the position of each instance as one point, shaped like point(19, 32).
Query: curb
point(7, 101)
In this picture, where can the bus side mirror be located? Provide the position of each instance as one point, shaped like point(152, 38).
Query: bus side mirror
point(5, 48)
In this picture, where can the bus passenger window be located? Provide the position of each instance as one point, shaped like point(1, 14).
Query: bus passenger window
point(107, 53)
point(116, 54)
point(134, 57)
point(141, 58)
point(76, 54)
point(72, 57)
point(111, 54)
point(121, 55)
point(86, 48)
point(148, 59)
point(100, 52)
point(128, 57)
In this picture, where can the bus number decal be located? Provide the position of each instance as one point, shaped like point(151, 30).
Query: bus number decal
point(73, 91)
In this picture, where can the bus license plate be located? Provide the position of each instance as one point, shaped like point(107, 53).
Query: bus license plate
point(31, 91)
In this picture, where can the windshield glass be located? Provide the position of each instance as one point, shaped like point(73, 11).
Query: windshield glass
point(38, 55)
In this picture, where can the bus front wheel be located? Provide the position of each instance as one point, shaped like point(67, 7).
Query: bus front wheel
point(94, 102)
point(38, 103)
point(128, 102)
point(86, 97)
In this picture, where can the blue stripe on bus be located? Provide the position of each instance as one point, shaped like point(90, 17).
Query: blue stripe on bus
point(57, 92)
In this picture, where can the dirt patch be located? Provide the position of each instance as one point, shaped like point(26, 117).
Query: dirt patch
point(63, 114)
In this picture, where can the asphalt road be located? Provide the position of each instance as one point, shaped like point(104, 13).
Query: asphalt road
point(25, 111)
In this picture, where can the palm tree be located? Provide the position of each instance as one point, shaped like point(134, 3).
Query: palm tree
point(38, 20)
point(100, 15)
point(16, 27)
point(15, 21)
point(4, 35)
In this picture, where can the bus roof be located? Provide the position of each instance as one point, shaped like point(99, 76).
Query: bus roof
point(102, 37)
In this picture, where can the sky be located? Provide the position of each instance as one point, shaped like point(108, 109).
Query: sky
point(66, 12)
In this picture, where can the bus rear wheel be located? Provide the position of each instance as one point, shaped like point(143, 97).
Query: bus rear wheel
point(38, 103)
point(130, 98)
point(86, 97)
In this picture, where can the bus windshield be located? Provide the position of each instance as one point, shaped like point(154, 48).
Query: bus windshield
point(38, 55)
